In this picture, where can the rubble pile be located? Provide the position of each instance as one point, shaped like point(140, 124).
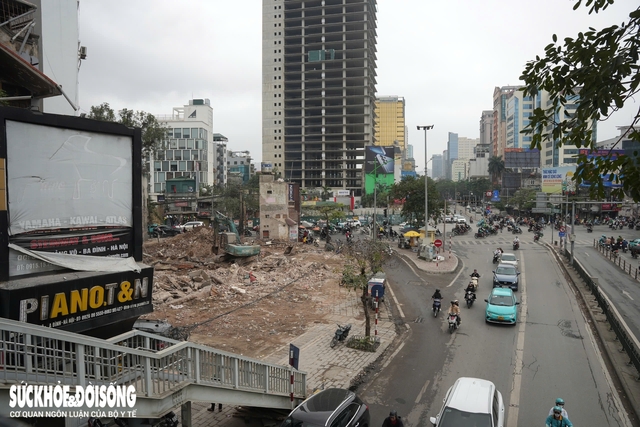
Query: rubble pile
point(242, 305)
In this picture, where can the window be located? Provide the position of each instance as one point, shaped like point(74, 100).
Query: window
point(186, 133)
point(177, 133)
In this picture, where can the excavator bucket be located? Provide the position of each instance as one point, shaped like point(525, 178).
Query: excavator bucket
point(288, 250)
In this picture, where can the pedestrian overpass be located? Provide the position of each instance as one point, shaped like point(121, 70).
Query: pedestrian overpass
point(165, 373)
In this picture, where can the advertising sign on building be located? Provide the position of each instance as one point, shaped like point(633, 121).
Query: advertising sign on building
point(559, 179)
point(379, 167)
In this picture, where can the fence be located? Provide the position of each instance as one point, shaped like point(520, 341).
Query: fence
point(626, 338)
point(617, 260)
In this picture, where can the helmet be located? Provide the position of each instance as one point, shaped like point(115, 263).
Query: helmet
point(557, 409)
point(455, 301)
point(559, 401)
point(393, 413)
point(437, 290)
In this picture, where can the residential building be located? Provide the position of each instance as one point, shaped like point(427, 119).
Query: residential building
point(452, 150)
point(466, 147)
point(318, 99)
point(479, 164)
point(279, 208)
point(239, 166)
point(550, 154)
point(187, 150)
point(459, 170)
point(519, 109)
point(24, 84)
point(621, 142)
point(486, 127)
point(220, 162)
point(58, 45)
point(445, 165)
point(499, 132)
point(437, 167)
point(390, 121)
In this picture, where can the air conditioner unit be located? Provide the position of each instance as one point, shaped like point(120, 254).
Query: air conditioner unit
point(83, 52)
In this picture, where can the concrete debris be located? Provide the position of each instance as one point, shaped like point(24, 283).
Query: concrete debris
point(263, 299)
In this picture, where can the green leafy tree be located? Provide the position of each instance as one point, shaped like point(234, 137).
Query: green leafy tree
point(598, 71)
point(496, 167)
point(366, 257)
point(153, 132)
point(326, 193)
point(523, 199)
point(411, 189)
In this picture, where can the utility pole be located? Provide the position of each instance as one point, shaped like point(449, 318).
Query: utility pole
point(573, 225)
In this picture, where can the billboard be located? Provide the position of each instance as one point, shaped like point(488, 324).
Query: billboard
point(378, 167)
point(71, 222)
point(521, 158)
point(379, 160)
point(558, 179)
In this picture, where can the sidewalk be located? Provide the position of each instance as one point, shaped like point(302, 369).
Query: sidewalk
point(327, 367)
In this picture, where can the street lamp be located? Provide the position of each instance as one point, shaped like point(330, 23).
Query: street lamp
point(426, 191)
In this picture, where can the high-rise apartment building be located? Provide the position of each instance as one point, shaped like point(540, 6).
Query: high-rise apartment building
point(437, 170)
point(187, 151)
point(466, 147)
point(519, 109)
point(318, 90)
point(452, 152)
point(499, 133)
point(486, 127)
point(550, 154)
point(390, 122)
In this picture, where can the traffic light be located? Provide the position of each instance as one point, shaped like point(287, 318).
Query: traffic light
point(385, 213)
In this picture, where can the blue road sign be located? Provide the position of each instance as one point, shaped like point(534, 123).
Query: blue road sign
point(562, 233)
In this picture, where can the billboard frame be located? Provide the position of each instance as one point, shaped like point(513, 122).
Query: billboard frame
point(74, 124)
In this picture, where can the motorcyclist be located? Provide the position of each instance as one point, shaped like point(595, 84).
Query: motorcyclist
point(496, 254)
point(516, 241)
point(557, 420)
point(475, 273)
point(393, 420)
point(472, 289)
point(436, 294)
point(560, 403)
point(454, 308)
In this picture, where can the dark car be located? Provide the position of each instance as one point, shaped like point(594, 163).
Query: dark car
point(165, 231)
point(330, 408)
point(506, 275)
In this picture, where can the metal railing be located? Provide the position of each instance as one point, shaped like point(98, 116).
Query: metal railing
point(627, 339)
point(616, 259)
point(154, 365)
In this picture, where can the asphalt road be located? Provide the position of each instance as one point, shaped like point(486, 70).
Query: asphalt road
point(550, 352)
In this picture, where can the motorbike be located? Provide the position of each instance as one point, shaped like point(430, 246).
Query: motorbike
point(474, 282)
point(517, 230)
point(453, 322)
point(496, 258)
point(341, 334)
point(536, 237)
point(516, 246)
point(589, 229)
point(469, 297)
point(437, 302)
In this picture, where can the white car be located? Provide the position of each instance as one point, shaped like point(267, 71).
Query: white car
point(461, 220)
point(471, 402)
point(189, 226)
point(448, 219)
point(508, 258)
point(354, 223)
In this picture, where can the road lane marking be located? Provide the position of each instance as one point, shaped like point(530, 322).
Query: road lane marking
point(457, 275)
point(628, 295)
point(514, 398)
point(424, 388)
point(393, 295)
point(393, 355)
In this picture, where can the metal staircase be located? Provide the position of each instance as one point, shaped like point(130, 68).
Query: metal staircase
point(165, 373)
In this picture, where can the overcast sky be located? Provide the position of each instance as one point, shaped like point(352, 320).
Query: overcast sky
point(444, 57)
